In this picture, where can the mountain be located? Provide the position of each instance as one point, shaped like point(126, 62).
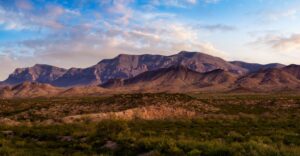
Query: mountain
point(254, 67)
point(34, 89)
point(38, 73)
point(29, 89)
point(293, 70)
point(79, 77)
point(189, 70)
point(183, 79)
point(219, 77)
point(3, 85)
point(175, 78)
point(286, 78)
point(127, 66)
point(113, 83)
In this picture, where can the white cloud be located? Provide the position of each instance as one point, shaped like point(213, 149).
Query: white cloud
point(280, 42)
point(121, 8)
point(49, 17)
point(218, 27)
point(84, 46)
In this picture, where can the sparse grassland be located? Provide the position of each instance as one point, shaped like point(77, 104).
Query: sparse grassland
point(238, 125)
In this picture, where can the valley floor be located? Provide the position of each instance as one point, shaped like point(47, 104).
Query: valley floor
point(152, 124)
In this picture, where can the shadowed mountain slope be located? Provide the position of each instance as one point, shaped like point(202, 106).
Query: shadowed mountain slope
point(175, 78)
point(287, 78)
point(254, 67)
point(293, 70)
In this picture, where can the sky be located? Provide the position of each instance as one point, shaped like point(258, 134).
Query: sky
point(80, 33)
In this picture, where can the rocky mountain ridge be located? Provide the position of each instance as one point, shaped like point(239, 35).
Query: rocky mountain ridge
point(183, 72)
point(121, 67)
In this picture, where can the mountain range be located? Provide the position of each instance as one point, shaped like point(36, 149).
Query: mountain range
point(121, 67)
point(176, 79)
point(183, 72)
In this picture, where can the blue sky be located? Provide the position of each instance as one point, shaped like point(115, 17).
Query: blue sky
point(80, 33)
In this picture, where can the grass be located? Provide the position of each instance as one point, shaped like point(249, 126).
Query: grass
point(244, 125)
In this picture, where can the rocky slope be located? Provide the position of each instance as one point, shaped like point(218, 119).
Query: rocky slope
point(183, 79)
point(282, 79)
point(293, 70)
point(254, 67)
point(175, 79)
point(38, 73)
point(30, 89)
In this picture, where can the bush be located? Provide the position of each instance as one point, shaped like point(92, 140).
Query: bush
point(109, 129)
point(194, 152)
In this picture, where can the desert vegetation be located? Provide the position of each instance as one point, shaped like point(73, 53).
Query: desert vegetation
point(223, 124)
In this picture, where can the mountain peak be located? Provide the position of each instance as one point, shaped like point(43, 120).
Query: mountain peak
point(38, 73)
point(43, 66)
point(189, 54)
point(293, 65)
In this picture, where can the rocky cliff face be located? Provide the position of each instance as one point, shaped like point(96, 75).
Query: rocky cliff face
point(38, 73)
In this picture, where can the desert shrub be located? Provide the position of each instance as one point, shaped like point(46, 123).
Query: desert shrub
point(238, 129)
point(194, 152)
point(234, 137)
point(109, 129)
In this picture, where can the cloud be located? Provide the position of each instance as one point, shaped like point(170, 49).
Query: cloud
point(173, 3)
point(89, 45)
point(281, 43)
point(50, 16)
point(218, 27)
point(10, 20)
point(121, 8)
